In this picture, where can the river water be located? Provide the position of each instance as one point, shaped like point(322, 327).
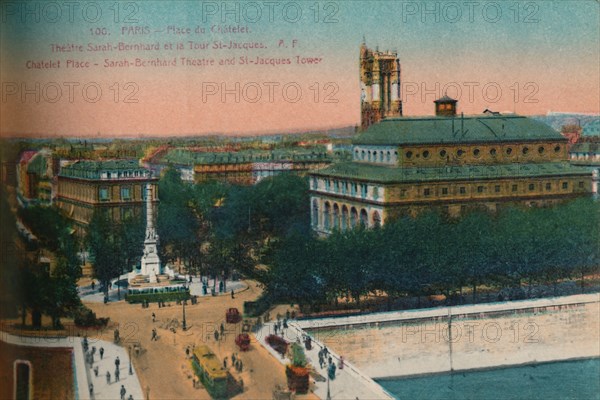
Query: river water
point(557, 380)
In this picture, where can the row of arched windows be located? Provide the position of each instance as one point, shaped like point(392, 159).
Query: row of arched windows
point(333, 216)
point(378, 156)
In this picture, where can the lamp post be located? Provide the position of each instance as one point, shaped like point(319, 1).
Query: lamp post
point(130, 369)
point(183, 324)
point(328, 393)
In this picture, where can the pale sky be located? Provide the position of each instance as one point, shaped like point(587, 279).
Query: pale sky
point(530, 57)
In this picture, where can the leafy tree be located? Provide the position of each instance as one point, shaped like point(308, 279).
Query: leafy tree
point(103, 244)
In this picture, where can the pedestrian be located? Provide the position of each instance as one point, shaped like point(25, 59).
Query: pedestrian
point(116, 335)
point(276, 329)
point(117, 374)
point(123, 392)
point(93, 349)
point(285, 325)
point(91, 358)
point(154, 337)
point(153, 317)
point(96, 371)
point(233, 358)
point(108, 377)
point(232, 294)
point(130, 397)
point(101, 352)
point(85, 343)
point(187, 352)
point(222, 329)
point(331, 372)
point(241, 366)
point(330, 360)
point(225, 363)
point(117, 362)
point(341, 362)
point(91, 389)
point(93, 285)
point(216, 334)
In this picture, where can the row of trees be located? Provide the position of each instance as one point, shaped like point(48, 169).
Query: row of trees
point(26, 283)
point(430, 254)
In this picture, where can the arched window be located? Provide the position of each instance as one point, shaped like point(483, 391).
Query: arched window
point(315, 213)
point(376, 219)
point(353, 217)
point(364, 218)
point(381, 156)
point(389, 156)
point(369, 155)
point(327, 216)
point(344, 223)
point(336, 216)
point(363, 155)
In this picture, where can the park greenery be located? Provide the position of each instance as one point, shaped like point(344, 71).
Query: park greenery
point(114, 248)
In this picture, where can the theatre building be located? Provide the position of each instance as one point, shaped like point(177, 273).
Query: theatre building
point(402, 166)
point(115, 186)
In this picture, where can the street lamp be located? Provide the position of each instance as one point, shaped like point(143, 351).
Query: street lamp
point(328, 393)
point(130, 369)
point(183, 324)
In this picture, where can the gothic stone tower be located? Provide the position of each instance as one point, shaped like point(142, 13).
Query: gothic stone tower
point(379, 85)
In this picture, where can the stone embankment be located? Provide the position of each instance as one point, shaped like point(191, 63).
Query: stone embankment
point(407, 343)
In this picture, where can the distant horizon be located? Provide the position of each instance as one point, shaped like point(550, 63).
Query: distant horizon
point(298, 131)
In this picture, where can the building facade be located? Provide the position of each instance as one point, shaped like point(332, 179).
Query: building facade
point(244, 167)
point(116, 186)
point(402, 166)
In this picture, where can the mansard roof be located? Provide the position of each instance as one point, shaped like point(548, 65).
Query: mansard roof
point(455, 130)
point(391, 174)
point(95, 169)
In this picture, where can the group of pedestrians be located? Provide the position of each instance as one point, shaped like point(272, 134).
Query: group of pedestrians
point(90, 353)
point(236, 362)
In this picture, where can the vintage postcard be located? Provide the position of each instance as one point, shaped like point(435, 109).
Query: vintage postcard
point(299, 199)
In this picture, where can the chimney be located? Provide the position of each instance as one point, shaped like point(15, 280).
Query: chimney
point(445, 106)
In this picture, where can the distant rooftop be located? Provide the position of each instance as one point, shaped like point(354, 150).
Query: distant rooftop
point(187, 157)
point(392, 174)
point(454, 130)
point(110, 169)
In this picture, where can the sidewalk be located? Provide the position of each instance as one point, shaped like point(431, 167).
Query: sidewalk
point(444, 312)
point(111, 391)
point(84, 375)
point(349, 383)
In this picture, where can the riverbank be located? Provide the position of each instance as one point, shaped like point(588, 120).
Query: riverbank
point(462, 338)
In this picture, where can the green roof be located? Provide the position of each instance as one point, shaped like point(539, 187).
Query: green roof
point(592, 128)
point(187, 157)
point(471, 129)
point(391, 174)
point(38, 165)
point(94, 169)
point(585, 147)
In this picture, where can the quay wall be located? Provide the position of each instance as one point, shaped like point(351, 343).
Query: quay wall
point(440, 340)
